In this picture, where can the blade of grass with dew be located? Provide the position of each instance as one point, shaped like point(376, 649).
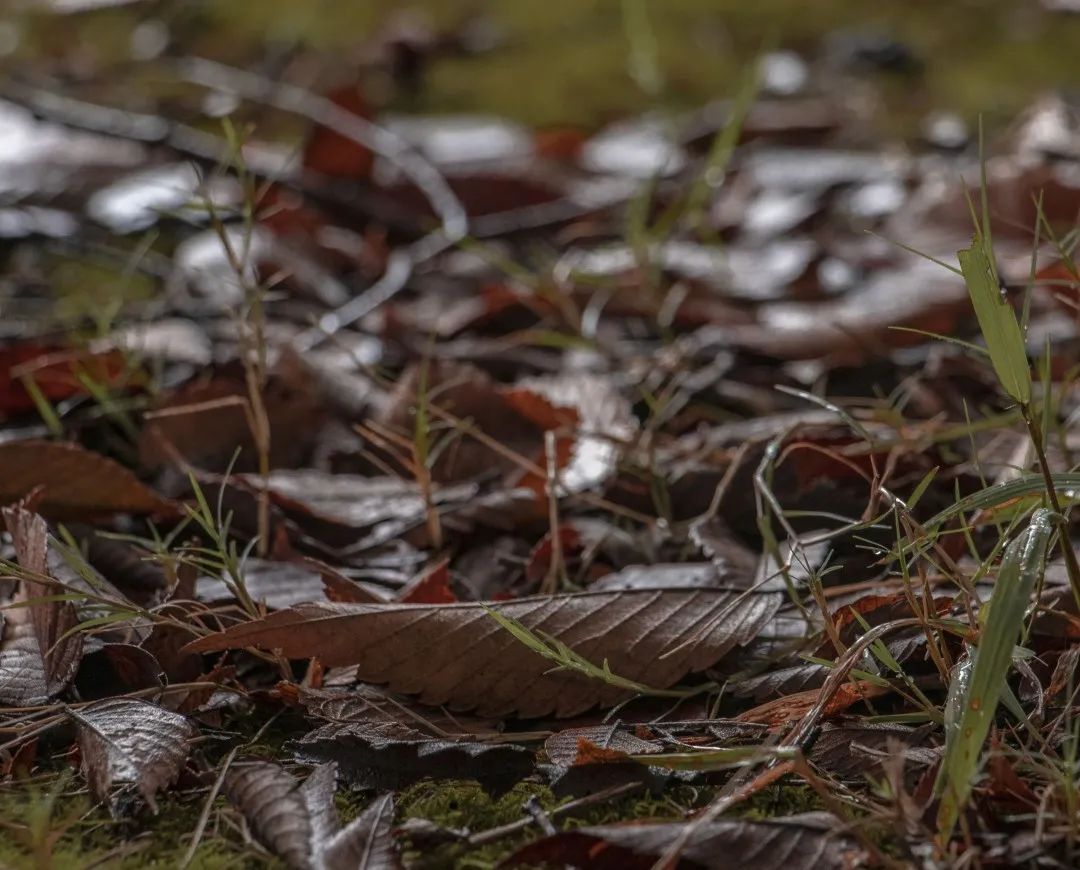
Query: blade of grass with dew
point(998, 495)
point(973, 700)
point(721, 758)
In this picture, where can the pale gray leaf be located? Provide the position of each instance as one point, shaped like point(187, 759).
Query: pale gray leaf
point(123, 740)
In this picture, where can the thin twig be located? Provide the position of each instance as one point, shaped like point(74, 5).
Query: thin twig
point(204, 816)
point(390, 146)
point(607, 794)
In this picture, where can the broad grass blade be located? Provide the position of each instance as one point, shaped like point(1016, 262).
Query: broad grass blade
point(974, 697)
point(997, 321)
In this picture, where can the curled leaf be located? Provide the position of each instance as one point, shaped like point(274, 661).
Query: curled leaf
point(123, 740)
point(299, 824)
point(39, 651)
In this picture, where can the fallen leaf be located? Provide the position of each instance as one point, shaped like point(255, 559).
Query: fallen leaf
point(330, 153)
point(470, 395)
point(850, 749)
point(367, 843)
point(431, 586)
point(797, 843)
point(55, 372)
point(600, 420)
point(76, 483)
point(299, 824)
point(383, 742)
point(874, 610)
point(599, 744)
point(456, 654)
point(128, 741)
point(352, 512)
point(276, 584)
point(207, 421)
point(39, 651)
point(779, 682)
point(792, 707)
point(391, 755)
point(115, 669)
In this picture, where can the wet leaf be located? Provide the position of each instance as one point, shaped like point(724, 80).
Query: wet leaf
point(367, 843)
point(276, 584)
point(39, 651)
point(207, 421)
point(652, 636)
point(127, 741)
point(973, 703)
point(389, 755)
point(792, 707)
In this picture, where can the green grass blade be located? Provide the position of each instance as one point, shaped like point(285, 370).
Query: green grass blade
point(970, 709)
point(997, 321)
point(1066, 483)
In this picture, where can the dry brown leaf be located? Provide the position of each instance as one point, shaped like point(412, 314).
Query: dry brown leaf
point(852, 749)
point(128, 741)
point(367, 843)
point(597, 744)
point(285, 816)
point(39, 653)
point(76, 482)
point(383, 742)
point(299, 824)
point(792, 707)
point(456, 654)
point(803, 842)
point(207, 421)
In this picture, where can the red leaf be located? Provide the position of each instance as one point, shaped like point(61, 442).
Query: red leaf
point(430, 587)
point(330, 153)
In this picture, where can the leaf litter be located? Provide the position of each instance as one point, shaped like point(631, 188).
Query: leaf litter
point(721, 453)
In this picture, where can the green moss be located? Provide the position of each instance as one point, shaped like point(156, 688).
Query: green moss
point(463, 804)
point(49, 822)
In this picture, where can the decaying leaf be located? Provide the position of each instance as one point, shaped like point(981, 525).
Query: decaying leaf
point(367, 843)
point(382, 742)
point(299, 824)
point(807, 842)
point(851, 749)
point(456, 654)
point(792, 707)
point(39, 651)
point(596, 745)
point(76, 483)
point(124, 740)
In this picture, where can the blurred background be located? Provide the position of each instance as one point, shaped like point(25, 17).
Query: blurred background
point(575, 61)
point(864, 116)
